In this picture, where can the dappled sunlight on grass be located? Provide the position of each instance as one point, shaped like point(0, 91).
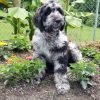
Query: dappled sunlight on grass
point(5, 31)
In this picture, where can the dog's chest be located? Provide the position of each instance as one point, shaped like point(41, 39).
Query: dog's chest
point(41, 46)
point(44, 48)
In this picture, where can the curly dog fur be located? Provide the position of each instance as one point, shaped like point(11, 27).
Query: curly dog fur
point(51, 44)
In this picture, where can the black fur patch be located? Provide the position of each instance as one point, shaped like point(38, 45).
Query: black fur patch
point(49, 67)
point(61, 70)
point(63, 60)
point(60, 49)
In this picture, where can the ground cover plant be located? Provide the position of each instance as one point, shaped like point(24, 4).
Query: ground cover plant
point(83, 71)
point(19, 43)
point(17, 70)
point(4, 53)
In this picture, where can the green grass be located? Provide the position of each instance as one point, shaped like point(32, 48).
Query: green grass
point(83, 34)
point(5, 31)
point(77, 34)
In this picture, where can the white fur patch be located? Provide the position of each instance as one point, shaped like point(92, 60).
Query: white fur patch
point(61, 83)
point(75, 51)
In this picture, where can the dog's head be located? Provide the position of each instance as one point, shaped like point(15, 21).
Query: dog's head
point(49, 17)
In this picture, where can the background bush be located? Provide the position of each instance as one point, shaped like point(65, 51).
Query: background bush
point(20, 43)
point(90, 20)
point(88, 6)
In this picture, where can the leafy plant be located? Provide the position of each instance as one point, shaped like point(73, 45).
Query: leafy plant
point(17, 16)
point(31, 6)
point(4, 50)
point(97, 58)
point(4, 3)
point(91, 54)
point(18, 69)
point(73, 16)
point(83, 71)
point(20, 43)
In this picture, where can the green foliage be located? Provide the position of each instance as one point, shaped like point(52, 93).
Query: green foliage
point(73, 16)
point(74, 21)
point(4, 53)
point(83, 71)
point(18, 69)
point(97, 58)
point(91, 54)
point(17, 12)
point(31, 6)
point(88, 6)
point(89, 21)
point(2, 14)
point(20, 43)
point(16, 16)
point(4, 3)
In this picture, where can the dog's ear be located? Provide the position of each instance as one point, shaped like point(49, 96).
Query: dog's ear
point(37, 18)
point(62, 27)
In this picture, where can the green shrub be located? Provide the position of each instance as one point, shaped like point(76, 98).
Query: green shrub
point(91, 54)
point(88, 52)
point(18, 69)
point(20, 43)
point(90, 20)
point(97, 58)
point(4, 53)
point(83, 71)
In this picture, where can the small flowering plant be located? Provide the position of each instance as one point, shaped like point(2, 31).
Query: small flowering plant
point(2, 43)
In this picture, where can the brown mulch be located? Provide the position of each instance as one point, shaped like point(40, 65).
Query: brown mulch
point(92, 44)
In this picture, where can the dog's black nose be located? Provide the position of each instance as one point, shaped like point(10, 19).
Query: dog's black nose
point(58, 21)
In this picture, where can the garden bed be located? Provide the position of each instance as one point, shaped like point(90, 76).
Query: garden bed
point(46, 90)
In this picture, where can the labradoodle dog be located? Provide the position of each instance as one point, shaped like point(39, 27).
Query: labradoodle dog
point(51, 44)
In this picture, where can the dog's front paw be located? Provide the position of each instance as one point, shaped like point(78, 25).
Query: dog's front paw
point(62, 88)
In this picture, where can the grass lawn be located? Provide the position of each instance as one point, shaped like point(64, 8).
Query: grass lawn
point(83, 34)
point(77, 34)
point(5, 31)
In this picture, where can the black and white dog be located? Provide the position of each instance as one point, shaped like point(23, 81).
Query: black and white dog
point(51, 44)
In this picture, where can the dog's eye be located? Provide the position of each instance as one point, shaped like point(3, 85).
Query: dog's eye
point(48, 11)
point(60, 10)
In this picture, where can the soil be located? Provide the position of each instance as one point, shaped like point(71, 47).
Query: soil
point(46, 90)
